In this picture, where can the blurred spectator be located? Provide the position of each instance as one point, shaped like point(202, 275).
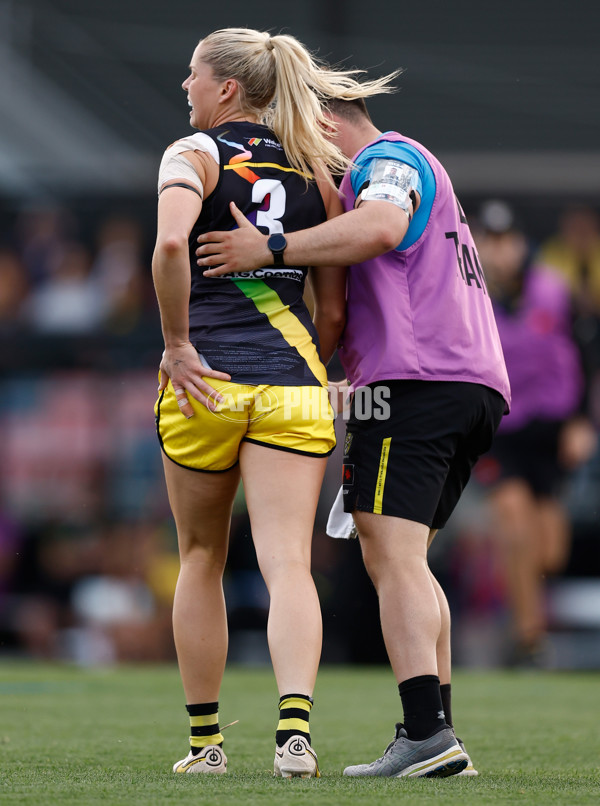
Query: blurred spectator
point(575, 252)
point(87, 594)
point(75, 289)
point(118, 271)
point(14, 288)
point(544, 436)
point(70, 301)
point(118, 614)
point(10, 546)
point(42, 234)
point(50, 559)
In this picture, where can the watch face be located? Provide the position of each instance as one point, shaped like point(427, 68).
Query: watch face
point(277, 242)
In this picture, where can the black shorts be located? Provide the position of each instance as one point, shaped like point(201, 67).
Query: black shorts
point(413, 458)
point(529, 454)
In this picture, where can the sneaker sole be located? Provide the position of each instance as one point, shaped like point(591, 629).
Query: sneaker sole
point(197, 768)
point(450, 762)
point(296, 774)
point(470, 772)
point(289, 771)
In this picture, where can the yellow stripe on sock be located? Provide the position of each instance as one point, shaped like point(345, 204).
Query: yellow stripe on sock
point(383, 463)
point(204, 720)
point(295, 702)
point(204, 741)
point(293, 724)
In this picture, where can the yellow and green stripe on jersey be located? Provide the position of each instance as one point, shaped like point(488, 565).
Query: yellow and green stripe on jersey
point(269, 303)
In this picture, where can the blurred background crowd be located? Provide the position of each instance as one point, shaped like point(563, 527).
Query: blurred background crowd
point(88, 556)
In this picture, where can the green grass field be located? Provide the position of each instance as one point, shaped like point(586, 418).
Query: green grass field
point(110, 736)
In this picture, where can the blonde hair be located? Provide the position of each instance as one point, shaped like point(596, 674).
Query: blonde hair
point(288, 89)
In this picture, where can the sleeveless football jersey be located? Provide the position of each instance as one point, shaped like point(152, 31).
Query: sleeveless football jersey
point(255, 325)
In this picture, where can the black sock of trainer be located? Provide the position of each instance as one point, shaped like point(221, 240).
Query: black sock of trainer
point(422, 704)
point(446, 691)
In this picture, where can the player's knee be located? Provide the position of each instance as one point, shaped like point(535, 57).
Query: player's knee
point(202, 560)
point(384, 569)
point(289, 571)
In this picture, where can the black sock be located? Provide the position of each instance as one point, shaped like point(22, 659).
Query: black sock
point(422, 704)
point(446, 691)
point(294, 712)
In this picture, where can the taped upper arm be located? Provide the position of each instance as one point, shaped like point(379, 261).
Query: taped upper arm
point(179, 162)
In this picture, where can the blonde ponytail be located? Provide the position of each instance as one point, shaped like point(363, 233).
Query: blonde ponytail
point(303, 88)
point(284, 85)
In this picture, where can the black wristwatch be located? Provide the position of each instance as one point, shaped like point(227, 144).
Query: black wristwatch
point(277, 244)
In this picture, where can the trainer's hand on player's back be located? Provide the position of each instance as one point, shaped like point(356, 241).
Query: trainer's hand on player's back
point(182, 366)
point(236, 250)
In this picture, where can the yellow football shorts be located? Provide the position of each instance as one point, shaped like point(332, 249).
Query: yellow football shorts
point(288, 418)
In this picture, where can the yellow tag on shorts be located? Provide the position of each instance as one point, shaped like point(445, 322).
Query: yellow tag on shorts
point(288, 418)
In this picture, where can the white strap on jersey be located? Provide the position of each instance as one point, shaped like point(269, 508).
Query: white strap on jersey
point(175, 166)
point(393, 181)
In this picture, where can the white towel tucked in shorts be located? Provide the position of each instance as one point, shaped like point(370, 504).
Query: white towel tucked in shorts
point(340, 523)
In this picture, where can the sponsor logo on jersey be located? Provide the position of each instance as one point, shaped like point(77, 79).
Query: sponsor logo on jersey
point(266, 274)
point(254, 141)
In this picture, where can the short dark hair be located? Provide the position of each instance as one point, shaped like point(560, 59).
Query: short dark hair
point(352, 110)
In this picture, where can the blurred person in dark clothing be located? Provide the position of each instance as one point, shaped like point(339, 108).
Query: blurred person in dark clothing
point(575, 252)
point(118, 270)
point(14, 288)
point(42, 235)
point(545, 434)
point(71, 301)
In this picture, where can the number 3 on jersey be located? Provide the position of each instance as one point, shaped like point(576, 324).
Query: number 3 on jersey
point(269, 218)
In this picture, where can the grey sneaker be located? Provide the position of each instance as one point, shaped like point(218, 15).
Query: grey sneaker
point(436, 757)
